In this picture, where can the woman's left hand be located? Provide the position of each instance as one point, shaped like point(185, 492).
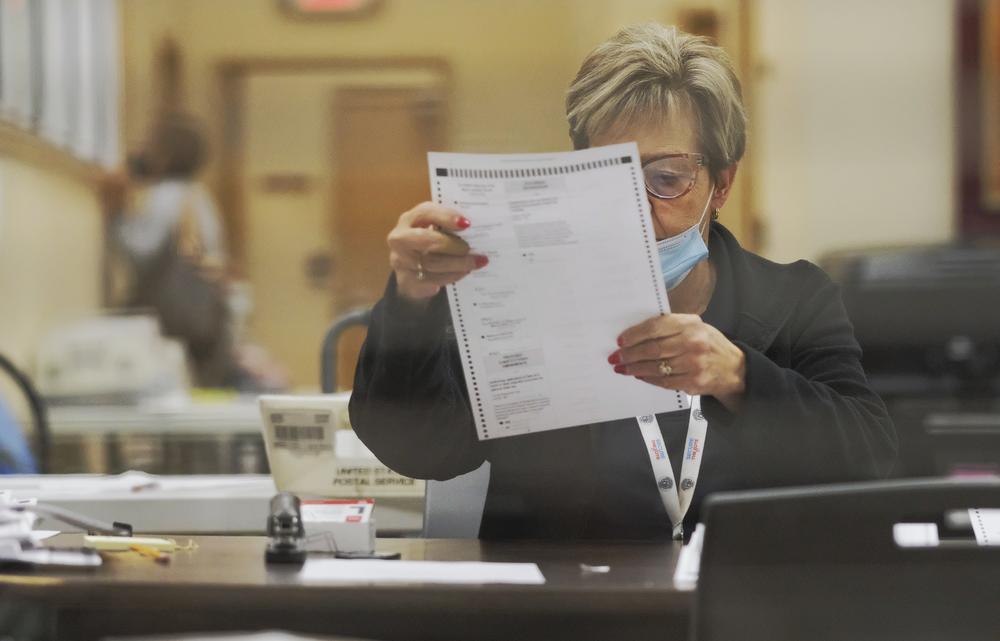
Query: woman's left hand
point(682, 352)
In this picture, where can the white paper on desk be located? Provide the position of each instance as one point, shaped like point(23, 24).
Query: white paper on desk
point(37, 536)
point(573, 263)
point(916, 535)
point(985, 525)
point(459, 572)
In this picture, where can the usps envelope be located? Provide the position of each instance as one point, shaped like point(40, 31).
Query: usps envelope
point(314, 453)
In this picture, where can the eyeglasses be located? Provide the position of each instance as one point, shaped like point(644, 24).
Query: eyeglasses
point(673, 175)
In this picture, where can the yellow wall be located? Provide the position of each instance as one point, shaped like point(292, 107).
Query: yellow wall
point(144, 26)
point(50, 253)
point(846, 92)
point(512, 59)
point(855, 130)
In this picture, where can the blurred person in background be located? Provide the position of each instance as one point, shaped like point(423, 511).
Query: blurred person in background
point(767, 348)
point(167, 224)
point(15, 454)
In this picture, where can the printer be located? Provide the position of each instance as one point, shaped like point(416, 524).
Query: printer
point(928, 320)
point(111, 359)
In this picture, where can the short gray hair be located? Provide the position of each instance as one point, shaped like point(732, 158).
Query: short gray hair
point(647, 71)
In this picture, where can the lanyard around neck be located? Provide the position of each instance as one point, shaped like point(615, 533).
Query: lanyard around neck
point(676, 500)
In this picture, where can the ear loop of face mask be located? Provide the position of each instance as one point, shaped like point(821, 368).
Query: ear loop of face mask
point(708, 203)
point(681, 253)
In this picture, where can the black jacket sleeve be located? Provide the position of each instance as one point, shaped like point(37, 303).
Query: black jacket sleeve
point(809, 415)
point(409, 404)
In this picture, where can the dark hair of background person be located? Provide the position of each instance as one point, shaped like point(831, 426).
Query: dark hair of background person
point(176, 149)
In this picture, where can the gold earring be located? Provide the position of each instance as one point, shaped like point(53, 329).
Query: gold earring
point(715, 214)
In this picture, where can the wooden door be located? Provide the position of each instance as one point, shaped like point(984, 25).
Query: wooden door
point(285, 179)
point(381, 137)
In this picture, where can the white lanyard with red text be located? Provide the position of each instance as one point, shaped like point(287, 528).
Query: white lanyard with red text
point(676, 500)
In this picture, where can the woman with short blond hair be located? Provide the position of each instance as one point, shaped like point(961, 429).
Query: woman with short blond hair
point(765, 349)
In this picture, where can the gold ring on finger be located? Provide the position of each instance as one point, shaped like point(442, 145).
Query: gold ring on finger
point(420, 271)
point(664, 367)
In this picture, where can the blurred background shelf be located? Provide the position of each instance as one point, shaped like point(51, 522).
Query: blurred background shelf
point(210, 438)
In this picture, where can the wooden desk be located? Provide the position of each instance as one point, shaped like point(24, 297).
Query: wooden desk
point(225, 585)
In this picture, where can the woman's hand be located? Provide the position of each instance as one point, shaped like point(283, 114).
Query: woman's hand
point(682, 352)
point(425, 253)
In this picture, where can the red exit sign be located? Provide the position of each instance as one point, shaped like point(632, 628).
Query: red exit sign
point(328, 8)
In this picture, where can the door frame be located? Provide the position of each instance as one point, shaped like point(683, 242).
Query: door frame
point(232, 75)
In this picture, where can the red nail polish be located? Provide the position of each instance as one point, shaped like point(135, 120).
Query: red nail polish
point(463, 222)
point(615, 358)
point(620, 369)
point(620, 341)
point(481, 261)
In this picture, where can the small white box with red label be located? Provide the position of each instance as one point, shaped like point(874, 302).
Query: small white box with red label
point(339, 525)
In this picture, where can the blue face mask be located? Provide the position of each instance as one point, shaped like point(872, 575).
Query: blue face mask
point(679, 254)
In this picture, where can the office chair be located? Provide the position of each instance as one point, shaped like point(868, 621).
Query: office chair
point(37, 405)
point(453, 509)
point(328, 352)
point(822, 564)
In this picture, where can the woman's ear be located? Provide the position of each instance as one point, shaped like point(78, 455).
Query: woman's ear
point(724, 185)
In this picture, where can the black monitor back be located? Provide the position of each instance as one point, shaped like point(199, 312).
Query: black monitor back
point(817, 564)
point(921, 296)
point(928, 320)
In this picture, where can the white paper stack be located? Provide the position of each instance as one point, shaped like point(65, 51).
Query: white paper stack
point(15, 525)
point(19, 539)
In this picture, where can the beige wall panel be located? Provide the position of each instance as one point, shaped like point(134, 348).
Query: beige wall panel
point(856, 124)
point(50, 255)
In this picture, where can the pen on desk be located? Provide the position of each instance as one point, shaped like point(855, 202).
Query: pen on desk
point(150, 552)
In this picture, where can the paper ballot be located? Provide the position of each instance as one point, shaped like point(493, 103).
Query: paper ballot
point(985, 525)
point(573, 263)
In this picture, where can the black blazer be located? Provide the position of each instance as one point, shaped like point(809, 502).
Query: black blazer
point(808, 416)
